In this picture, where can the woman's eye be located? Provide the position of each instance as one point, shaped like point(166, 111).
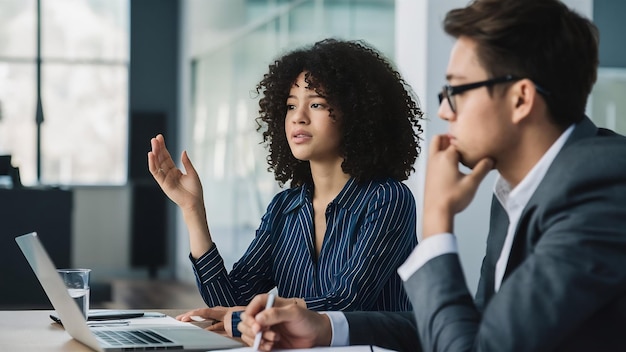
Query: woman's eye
point(290, 107)
point(316, 106)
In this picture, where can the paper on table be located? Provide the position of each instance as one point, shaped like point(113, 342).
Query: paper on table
point(317, 349)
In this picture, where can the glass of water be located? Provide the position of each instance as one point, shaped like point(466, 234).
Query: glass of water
point(77, 283)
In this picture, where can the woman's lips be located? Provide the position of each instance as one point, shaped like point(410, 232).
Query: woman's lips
point(300, 137)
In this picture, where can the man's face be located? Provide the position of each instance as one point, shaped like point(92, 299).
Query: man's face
point(480, 127)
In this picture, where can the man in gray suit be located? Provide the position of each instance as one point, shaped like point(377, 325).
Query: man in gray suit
point(554, 273)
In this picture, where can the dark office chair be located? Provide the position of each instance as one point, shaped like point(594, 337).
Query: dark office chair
point(7, 169)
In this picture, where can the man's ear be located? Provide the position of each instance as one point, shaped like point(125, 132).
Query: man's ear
point(523, 95)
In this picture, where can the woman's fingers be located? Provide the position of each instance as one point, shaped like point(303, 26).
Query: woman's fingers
point(160, 161)
point(219, 326)
point(201, 314)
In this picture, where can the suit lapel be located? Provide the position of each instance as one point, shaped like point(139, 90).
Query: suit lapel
point(498, 224)
point(525, 236)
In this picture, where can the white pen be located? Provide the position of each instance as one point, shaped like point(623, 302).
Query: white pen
point(259, 335)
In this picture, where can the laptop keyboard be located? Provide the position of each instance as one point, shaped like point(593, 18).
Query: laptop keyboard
point(139, 339)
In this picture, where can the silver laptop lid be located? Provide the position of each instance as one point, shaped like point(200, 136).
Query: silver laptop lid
point(45, 270)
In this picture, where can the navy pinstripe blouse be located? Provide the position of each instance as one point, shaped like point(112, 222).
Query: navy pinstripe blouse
point(370, 231)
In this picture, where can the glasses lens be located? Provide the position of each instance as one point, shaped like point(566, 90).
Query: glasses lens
point(445, 94)
point(450, 97)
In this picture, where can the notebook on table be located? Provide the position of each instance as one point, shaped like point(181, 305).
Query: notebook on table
point(185, 337)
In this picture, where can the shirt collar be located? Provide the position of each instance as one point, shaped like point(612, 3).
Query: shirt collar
point(518, 197)
point(347, 198)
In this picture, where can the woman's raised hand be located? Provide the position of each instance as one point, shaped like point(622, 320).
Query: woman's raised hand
point(184, 189)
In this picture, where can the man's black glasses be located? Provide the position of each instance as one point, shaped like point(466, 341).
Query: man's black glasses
point(448, 92)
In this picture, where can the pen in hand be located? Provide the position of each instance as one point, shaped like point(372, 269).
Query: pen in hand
point(259, 335)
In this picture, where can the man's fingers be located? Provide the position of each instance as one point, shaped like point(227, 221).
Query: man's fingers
point(481, 170)
point(269, 339)
point(269, 335)
point(276, 315)
point(256, 305)
point(265, 318)
point(438, 143)
point(266, 345)
point(249, 328)
point(247, 339)
point(435, 145)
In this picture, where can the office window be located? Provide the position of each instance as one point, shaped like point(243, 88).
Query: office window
point(607, 106)
point(82, 84)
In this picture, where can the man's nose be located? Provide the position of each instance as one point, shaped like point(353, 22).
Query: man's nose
point(444, 111)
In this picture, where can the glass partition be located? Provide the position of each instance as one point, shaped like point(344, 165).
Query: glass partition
point(607, 104)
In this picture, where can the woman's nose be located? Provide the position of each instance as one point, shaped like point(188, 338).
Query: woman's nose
point(298, 115)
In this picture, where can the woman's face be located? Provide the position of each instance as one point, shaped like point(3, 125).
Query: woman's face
point(313, 134)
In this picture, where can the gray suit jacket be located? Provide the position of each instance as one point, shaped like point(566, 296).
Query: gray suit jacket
point(565, 283)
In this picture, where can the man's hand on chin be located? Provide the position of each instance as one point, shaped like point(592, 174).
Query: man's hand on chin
point(447, 190)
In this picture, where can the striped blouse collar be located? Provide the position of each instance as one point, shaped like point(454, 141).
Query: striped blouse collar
point(348, 198)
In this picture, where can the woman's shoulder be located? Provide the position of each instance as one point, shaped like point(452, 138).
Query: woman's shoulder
point(382, 190)
point(390, 185)
point(290, 192)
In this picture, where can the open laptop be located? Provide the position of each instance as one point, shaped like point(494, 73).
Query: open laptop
point(185, 337)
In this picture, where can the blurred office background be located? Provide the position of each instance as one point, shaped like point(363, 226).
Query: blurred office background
point(84, 84)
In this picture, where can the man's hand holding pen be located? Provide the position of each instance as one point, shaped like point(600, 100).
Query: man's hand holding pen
point(285, 325)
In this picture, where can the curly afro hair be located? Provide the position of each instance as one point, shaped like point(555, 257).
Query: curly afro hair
point(379, 113)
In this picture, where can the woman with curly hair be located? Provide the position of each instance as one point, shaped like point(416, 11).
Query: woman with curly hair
point(342, 129)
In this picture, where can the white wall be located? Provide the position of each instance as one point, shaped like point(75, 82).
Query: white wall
point(101, 231)
point(101, 228)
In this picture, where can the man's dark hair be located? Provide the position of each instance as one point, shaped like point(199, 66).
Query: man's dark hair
point(542, 40)
point(378, 112)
